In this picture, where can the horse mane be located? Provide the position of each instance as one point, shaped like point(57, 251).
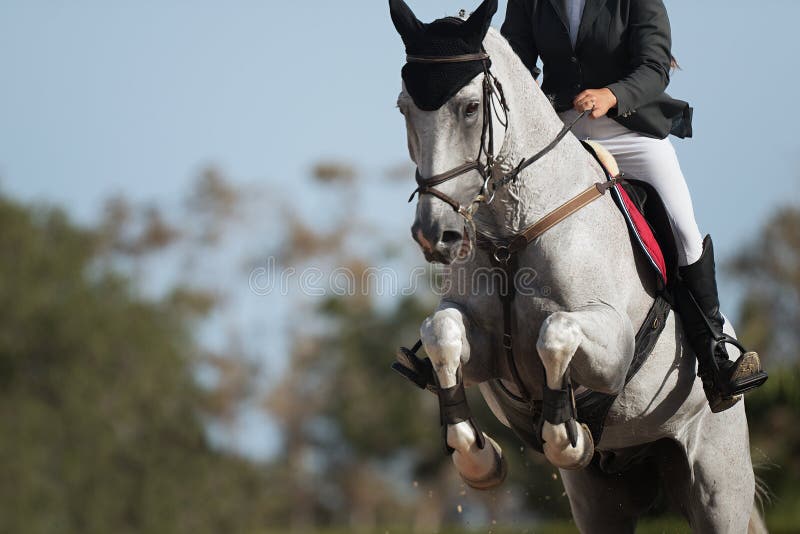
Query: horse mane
point(495, 41)
point(520, 81)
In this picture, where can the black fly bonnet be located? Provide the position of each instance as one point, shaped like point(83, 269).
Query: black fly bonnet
point(431, 84)
point(442, 57)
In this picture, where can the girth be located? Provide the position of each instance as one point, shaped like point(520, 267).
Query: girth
point(503, 254)
point(501, 250)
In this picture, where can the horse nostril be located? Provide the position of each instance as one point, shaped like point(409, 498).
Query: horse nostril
point(449, 237)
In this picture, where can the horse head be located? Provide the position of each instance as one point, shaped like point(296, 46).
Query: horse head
point(449, 123)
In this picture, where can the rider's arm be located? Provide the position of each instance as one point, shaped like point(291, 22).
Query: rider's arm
point(518, 30)
point(649, 44)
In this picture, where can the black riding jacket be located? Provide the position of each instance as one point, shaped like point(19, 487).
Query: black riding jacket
point(624, 45)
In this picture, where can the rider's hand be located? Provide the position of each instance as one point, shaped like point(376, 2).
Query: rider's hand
point(602, 100)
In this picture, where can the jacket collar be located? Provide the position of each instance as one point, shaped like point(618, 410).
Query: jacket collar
point(590, 12)
point(559, 7)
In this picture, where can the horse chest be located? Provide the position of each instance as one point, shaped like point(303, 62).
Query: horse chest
point(489, 358)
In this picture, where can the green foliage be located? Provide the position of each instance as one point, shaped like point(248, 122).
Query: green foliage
point(772, 413)
point(104, 427)
point(666, 525)
point(377, 412)
point(381, 417)
point(98, 409)
point(529, 471)
point(769, 268)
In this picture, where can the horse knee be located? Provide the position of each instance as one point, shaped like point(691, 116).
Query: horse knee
point(444, 337)
point(559, 338)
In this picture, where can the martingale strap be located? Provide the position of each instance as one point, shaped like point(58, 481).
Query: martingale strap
point(536, 230)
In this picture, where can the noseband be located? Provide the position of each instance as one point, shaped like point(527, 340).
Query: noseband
point(494, 178)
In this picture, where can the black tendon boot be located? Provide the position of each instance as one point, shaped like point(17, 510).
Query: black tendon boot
point(698, 304)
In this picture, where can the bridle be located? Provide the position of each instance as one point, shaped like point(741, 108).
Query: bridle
point(491, 89)
point(493, 176)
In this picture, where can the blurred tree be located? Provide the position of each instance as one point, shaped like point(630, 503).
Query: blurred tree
point(213, 202)
point(769, 268)
point(377, 436)
point(99, 412)
point(294, 403)
point(381, 423)
point(334, 171)
point(363, 444)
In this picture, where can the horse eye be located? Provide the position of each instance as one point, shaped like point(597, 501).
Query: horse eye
point(472, 109)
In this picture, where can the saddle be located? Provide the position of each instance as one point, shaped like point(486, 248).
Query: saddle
point(650, 230)
point(645, 215)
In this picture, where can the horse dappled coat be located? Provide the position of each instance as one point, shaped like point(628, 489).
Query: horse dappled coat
point(576, 326)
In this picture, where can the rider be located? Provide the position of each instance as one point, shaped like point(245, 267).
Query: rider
point(613, 57)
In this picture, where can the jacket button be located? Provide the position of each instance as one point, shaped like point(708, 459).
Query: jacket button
point(573, 59)
point(577, 86)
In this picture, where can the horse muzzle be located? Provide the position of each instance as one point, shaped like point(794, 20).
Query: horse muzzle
point(441, 246)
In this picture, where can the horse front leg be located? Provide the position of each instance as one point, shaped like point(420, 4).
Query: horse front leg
point(595, 344)
point(444, 337)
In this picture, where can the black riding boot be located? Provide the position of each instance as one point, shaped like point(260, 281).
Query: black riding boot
point(698, 304)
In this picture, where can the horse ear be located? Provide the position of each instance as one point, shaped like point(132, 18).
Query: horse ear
point(405, 22)
point(476, 26)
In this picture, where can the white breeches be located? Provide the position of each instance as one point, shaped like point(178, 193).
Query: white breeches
point(655, 162)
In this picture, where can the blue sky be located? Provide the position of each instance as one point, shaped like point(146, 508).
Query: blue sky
point(136, 97)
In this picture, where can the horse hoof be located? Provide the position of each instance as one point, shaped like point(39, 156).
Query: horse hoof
point(495, 477)
point(569, 457)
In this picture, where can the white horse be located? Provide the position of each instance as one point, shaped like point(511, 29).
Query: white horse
point(577, 329)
